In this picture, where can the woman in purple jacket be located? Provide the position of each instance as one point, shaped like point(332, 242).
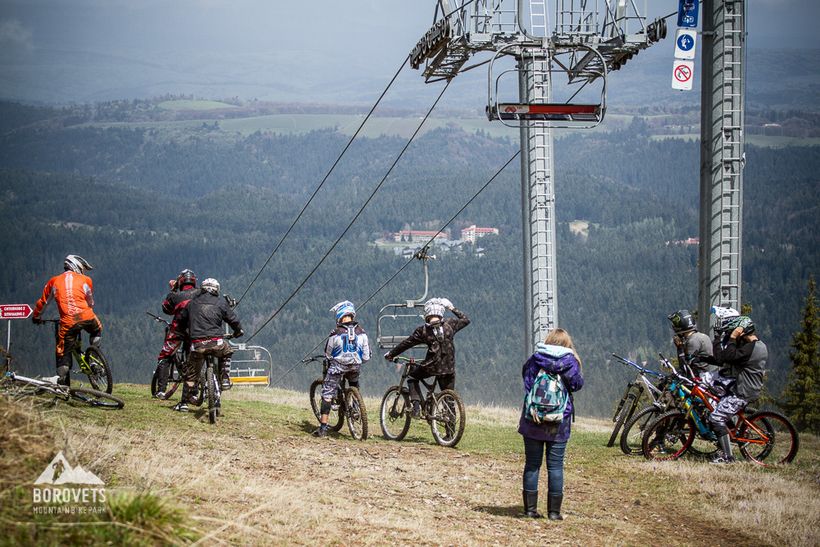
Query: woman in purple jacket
point(556, 355)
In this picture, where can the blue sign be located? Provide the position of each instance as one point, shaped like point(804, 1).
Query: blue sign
point(688, 13)
point(685, 42)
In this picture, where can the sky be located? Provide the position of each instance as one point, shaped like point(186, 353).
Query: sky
point(320, 51)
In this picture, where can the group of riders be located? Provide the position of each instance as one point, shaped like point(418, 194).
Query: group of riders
point(198, 318)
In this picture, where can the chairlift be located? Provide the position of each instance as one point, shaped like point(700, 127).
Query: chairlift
point(251, 365)
point(394, 314)
point(580, 71)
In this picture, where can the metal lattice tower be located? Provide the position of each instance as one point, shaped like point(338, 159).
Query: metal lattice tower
point(589, 38)
point(722, 155)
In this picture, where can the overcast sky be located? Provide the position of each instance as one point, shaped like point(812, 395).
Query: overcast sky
point(83, 50)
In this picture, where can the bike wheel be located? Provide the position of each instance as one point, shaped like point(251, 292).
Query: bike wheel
point(100, 373)
point(768, 436)
point(668, 437)
point(213, 394)
point(95, 398)
point(625, 410)
point(336, 419)
point(632, 435)
point(448, 420)
point(394, 414)
point(356, 414)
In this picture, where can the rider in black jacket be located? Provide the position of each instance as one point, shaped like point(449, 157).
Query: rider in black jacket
point(204, 317)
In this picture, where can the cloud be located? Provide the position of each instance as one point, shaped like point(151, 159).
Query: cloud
point(13, 33)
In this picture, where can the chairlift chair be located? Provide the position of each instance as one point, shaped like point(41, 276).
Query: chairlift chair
point(590, 67)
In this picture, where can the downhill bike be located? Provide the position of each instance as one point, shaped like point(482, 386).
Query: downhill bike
point(16, 385)
point(632, 396)
point(92, 362)
point(347, 403)
point(175, 364)
point(208, 388)
point(765, 437)
point(444, 410)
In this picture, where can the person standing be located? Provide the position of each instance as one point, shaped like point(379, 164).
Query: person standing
point(556, 355)
point(694, 348)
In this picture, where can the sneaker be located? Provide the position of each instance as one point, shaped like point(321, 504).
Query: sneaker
point(160, 395)
point(722, 459)
point(181, 407)
point(321, 431)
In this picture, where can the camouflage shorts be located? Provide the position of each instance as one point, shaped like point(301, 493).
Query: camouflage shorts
point(726, 408)
point(333, 379)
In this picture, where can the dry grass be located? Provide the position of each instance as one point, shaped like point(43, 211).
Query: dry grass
point(258, 477)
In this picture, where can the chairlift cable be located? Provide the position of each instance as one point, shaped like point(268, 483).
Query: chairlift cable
point(408, 262)
point(322, 183)
point(358, 214)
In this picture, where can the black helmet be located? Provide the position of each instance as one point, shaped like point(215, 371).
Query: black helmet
point(682, 321)
point(186, 277)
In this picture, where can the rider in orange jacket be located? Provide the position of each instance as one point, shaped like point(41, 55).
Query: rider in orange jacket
point(73, 292)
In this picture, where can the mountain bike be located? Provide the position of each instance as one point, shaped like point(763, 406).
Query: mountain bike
point(444, 410)
point(347, 403)
point(16, 385)
point(208, 388)
point(764, 438)
point(175, 363)
point(635, 390)
point(91, 362)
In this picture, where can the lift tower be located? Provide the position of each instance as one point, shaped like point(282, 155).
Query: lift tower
point(722, 155)
point(586, 40)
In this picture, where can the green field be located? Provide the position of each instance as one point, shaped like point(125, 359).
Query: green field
point(196, 105)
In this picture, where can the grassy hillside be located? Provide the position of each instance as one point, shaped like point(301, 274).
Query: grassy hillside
point(259, 477)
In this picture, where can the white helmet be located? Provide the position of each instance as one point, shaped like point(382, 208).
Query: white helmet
point(76, 264)
point(343, 308)
point(432, 307)
point(211, 285)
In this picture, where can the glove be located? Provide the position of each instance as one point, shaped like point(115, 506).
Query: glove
point(387, 356)
point(446, 303)
point(172, 284)
point(238, 333)
point(230, 300)
point(37, 320)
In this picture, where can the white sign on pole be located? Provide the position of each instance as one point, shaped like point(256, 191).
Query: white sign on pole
point(685, 41)
point(682, 75)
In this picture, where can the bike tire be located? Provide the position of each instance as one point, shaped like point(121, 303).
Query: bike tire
point(356, 414)
point(448, 420)
point(626, 409)
point(95, 398)
point(335, 420)
point(780, 445)
point(394, 414)
point(632, 434)
point(668, 437)
point(100, 376)
point(213, 397)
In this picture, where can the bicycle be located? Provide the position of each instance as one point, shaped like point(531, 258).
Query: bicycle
point(759, 436)
point(208, 387)
point(444, 411)
point(17, 385)
point(632, 396)
point(347, 403)
point(92, 362)
point(176, 363)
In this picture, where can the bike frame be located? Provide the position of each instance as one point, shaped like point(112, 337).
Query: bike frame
point(429, 387)
point(641, 381)
point(77, 353)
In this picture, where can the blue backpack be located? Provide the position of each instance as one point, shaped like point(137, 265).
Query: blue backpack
point(546, 401)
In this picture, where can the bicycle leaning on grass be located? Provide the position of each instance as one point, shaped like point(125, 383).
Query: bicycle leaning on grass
point(175, 364)
point(16, 385)
point(444, 410)
point(92, 362)
point(347, 403)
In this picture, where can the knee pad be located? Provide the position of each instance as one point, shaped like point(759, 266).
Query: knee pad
point(95, 341)
point(325, 409)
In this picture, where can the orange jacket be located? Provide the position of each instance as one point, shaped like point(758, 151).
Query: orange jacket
point(74, 295)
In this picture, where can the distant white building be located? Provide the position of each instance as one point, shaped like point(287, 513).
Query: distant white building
point(472, 233)
point(418, 236)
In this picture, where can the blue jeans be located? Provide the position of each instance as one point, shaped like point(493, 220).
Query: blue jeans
point(534, 455)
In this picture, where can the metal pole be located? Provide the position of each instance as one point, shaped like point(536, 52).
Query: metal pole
point(8, 337)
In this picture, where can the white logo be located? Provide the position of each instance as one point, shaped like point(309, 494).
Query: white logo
point(59, 471)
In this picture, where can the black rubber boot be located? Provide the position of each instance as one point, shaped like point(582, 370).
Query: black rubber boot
point(554, 506)
point(531, 504)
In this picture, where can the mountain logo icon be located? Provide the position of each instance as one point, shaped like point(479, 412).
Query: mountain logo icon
point(59, 471)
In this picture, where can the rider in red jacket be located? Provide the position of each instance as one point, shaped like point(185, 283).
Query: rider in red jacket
point(183, 288)
point(73, 292)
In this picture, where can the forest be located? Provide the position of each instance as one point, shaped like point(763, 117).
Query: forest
point(142, 203)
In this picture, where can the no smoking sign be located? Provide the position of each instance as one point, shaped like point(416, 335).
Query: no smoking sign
point(683, 73)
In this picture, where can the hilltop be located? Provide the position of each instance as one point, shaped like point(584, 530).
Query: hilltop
point(259, 477)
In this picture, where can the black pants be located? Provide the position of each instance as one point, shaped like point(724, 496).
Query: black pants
point(445, 381)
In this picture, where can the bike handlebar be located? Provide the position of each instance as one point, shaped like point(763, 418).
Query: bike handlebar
point(158, 319)
point(641, 369)
point(313, 358)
